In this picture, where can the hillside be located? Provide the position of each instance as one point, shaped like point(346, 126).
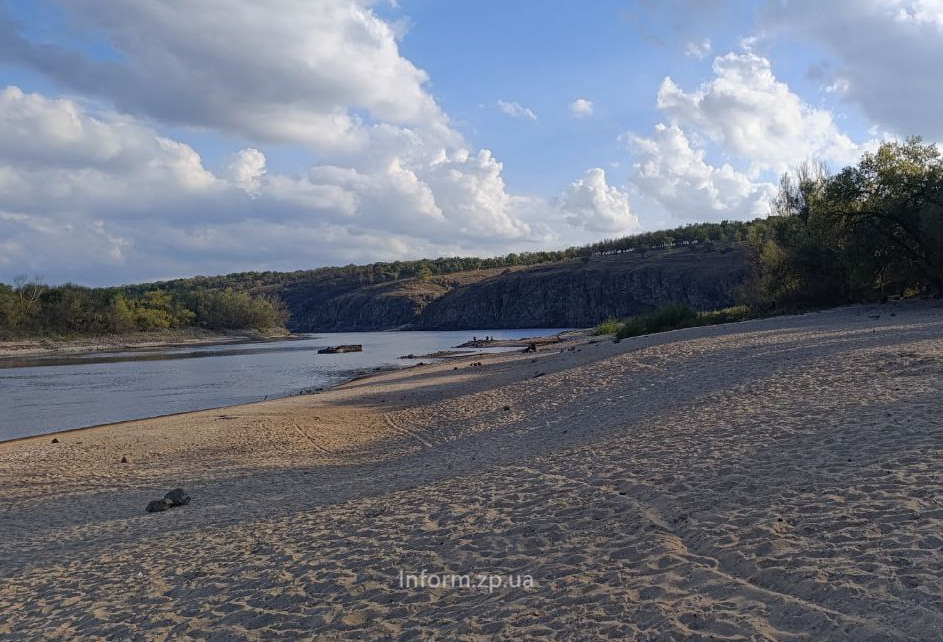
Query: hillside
point(572, 293)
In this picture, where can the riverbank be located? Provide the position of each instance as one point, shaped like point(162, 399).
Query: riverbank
point(769, 480)
point(45, 346)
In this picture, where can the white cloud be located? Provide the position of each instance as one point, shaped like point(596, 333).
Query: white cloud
point(886, 54)
point(81, 194)
point(581, 108)
point(286, 71)
point(590, 203)
point(516, 110)
point(673, 173)
point(751, 114)
point(246, 169)
point(698, 48)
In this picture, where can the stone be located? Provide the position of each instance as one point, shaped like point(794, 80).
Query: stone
point(55, 441)
point(177, 497)
point(158, 505)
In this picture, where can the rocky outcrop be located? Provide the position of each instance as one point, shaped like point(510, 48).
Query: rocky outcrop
point(347, 306)
point(353, 347)
point(580, 294)
point(577, 293)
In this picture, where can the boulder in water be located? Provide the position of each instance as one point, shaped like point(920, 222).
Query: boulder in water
point(341, 349)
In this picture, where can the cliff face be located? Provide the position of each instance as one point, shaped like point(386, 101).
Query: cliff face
point(576, 293)
point(350, 307)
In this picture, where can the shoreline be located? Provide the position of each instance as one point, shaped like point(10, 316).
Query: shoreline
point(28, 347)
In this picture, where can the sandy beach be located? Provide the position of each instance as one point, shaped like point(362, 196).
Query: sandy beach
point(779, 479)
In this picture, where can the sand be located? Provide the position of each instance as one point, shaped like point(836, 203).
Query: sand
point(778, 479)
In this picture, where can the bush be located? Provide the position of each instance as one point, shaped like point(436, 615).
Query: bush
point(728, 315)
point(609, 326)
point(669, 317)
point(675, 316)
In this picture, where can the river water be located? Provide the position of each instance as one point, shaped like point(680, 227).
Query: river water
point(49, 394)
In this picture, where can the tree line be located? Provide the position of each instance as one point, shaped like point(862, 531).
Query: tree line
point(29, 307)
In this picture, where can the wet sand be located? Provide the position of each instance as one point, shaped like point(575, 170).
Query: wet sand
point(779, 479)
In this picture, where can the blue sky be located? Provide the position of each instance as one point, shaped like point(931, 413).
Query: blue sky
point(164, 138)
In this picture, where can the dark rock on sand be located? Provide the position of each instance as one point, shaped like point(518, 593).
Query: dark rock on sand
point(158, 505)
point(177, 497)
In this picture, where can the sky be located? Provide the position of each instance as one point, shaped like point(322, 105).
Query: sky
point(165, 138)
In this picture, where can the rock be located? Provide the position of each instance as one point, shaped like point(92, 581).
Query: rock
point(177, 497)
point(158, 505)
point(55, 441)
point(341, 349)
point(124, 460)
point(506, 408)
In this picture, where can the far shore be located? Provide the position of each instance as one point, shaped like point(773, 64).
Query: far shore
point(43, 346)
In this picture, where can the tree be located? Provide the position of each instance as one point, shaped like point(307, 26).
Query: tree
point(891, 205)
point(25, 303)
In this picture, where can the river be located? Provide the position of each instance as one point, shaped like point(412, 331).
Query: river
point(50, 393)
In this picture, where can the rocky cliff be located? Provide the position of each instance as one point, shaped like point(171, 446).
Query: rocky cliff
point(575, 293)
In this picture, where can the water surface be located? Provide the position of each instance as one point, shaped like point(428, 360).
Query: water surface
point(51, 393)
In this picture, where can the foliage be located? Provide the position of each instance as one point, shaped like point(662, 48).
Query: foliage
point(609, 326)
point(669, 317)
point(229, 309)
point(675, 316)
point(874, 228)
point(30, 307)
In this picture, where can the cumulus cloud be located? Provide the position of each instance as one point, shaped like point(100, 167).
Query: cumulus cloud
point(675, 174)
point(744, 112)
point(581, 108)
point(754, 115)
point(285, 71)
point(85, 193)
point(887, 55)
point(516, 110)
point(246, 169)
point(591, 203)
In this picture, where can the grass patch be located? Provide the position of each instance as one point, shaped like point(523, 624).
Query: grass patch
point(675, 316)
point(609, 326)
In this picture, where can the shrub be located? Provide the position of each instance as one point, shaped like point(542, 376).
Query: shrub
point(669, 317)
point(609, 326)
point(675, 316)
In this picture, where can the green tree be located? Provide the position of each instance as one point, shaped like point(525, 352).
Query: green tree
point(891, 206)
